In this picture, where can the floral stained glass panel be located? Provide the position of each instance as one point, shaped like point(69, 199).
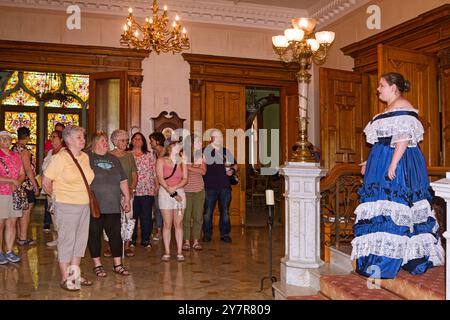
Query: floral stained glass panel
point(79, 85)
point(20, 98)
point(38, 82)
point(15, 120)
point(64, 104)
point(66, 119)
point(12, 81)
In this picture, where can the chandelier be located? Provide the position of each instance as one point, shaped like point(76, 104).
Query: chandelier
point(299, 45)
point(155, 34)
point(54, 88)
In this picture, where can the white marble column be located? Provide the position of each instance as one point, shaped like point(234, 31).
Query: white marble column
point(442, 189)
point(302, 223)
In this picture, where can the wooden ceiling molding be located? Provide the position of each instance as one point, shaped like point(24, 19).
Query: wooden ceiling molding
point(240, 70)
point(65, 58)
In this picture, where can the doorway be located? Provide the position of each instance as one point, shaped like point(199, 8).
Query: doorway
point(263, 151)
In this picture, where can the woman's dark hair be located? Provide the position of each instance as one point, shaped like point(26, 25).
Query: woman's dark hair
point(59, 124)
point(144, 142)
point(158, 137)
point(23, 132)
point(60, 136)
point(397, 79)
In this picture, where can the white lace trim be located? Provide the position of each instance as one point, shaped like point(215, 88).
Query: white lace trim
point(401, 214)
point(399, 247)
point(400, 128)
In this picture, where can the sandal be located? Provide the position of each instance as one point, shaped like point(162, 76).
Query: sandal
point(120, 269)
point(180, 258)
point(129, 252)
point(99, 271)
point(65, 286)
point(186, 246)
point(197, 246)
point(86, 282)
point(165, 258)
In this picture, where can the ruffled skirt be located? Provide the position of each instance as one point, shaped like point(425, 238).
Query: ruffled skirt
point(395, 225)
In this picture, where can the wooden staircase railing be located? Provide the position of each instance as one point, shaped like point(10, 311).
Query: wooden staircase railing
point(340, 199)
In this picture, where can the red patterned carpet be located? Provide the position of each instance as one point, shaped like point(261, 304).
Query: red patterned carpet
point(428, 286)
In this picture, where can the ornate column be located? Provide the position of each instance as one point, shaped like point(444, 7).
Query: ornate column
point(134, 100)
point(442, 189)
point(302, 239)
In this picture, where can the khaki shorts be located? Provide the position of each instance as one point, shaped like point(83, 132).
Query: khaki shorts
point(6, 208)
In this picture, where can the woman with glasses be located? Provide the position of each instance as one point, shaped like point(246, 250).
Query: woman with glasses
point(119, 139)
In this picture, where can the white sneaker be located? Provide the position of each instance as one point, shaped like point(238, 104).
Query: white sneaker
point(53, 243)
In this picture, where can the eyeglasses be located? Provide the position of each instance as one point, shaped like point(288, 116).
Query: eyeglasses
point(123, 140)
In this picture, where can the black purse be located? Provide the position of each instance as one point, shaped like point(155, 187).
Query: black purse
point(234, 179)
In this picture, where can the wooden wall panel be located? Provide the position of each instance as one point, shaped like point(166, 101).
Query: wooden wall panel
point(344, 112)
point(421, 70)
point(445, 99)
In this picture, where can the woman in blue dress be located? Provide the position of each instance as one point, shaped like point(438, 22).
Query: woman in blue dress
point(395, 225)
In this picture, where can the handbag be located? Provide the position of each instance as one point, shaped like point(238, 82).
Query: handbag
point(93, 204)
point(234, 179)
point(19, 196)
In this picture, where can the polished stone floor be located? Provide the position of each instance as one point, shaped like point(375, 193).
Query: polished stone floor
point(220, 271)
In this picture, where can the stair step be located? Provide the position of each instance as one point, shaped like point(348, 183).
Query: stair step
point(352, 287)
point(313, 297)
point(427, 286)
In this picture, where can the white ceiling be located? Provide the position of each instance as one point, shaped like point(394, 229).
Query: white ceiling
point(297, 4)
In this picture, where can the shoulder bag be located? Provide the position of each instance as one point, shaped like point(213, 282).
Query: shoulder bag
point(93, 204)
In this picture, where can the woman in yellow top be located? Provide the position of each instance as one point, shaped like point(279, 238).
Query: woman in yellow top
point(63, 181)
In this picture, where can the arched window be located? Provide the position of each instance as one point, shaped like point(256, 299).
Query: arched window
point(39, 100)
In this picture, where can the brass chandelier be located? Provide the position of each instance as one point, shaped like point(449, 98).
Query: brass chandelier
point(299, 45)
point(155, 34)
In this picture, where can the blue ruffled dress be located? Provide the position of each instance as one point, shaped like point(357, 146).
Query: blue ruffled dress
point(395, 225)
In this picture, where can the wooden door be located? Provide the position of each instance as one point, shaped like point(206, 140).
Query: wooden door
point(344, 112)
point(421, 70)
point(108, 101)
point(445, 107)
point(225, 109)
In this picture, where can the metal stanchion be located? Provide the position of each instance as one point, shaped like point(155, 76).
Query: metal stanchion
point(270, 202)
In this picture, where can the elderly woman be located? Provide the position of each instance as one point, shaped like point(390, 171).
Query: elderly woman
point(12, 175)
point(63, 181)
point(119, 139)
point(109, 183)
point(172, 175)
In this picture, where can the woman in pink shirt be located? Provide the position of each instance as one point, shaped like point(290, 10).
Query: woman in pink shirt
point(12, 175)
point(172, 174)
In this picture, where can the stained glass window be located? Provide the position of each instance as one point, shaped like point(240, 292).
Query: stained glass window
point(79, 85)
point(20, 98)
point(64, 118)
point(64, 104)
point(12, 81)
point(25, 95)
point(39, 82)
point(15, 120)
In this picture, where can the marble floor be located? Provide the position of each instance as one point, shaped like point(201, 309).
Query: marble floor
point(220, 271)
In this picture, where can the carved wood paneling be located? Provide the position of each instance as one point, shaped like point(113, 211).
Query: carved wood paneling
point(428, 33)
point(421, 70)
point(445, 96)
point(344, 112)
point(226, 110)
